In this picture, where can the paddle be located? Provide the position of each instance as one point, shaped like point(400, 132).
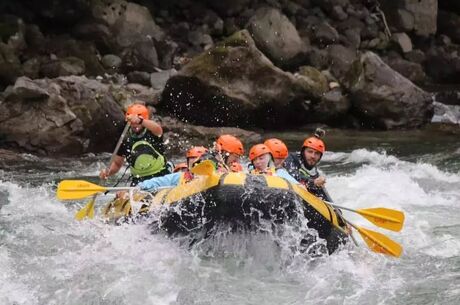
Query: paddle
point(88, 209)
point(204, 168)
point(382, 217)
point(78, 189)
point(378, 242)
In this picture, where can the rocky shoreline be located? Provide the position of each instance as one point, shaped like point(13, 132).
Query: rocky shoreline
point(67, 69)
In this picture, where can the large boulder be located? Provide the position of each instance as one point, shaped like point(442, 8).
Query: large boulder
point(67, 115)
point(407, 15)
point(383, 98)
point(240, 85)
point(276, 37)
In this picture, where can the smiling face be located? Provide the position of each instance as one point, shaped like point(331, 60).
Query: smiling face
point(261, 162)
point(311, 156)
point(232, 158)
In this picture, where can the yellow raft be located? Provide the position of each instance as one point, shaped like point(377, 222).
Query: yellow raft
point(239, 200)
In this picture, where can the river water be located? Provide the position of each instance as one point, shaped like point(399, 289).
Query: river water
point(46, 257)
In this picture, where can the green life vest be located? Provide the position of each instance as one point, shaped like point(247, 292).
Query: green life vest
point(145, 160)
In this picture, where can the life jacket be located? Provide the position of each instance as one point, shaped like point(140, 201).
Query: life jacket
point(270, 171)
point(145, 159)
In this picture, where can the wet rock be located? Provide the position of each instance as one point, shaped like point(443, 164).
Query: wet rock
point(442, 65)
point(139, 77)
point(354, 37)
point(446, 114)
point(318, 58)
point(403, 41)
point(178, 134)
point(10, 66)
point(31, 68)
point(276, 37)
point(338, 13)
point(70, 115)
point(166, 50)
point(411, 70)
point(110, 61)
point(313, 80)
point(448, 97)
point(332, 108)
point(62, 67)
point(326, 34)
point(229, 8)
point(385, 99)
point(200, 39)
point(240, 84)
point(340, 59)
point(416, 56)
point(449, 23)
point(424, 13)
point(158, 79)
point(141, 57)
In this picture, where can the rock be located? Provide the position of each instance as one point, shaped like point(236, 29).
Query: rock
point(34, 37)
point(412, 71)
point(333, 107)
point(449, 24)
point(318, 58)
point(139, 77)
point(403, 41)
point(442, 65)
point(229, 8)
point(158, 79)
point(141, 57)
point(423, 12)
point(338, 13)
point(10, 66)
point(178, 135)
point(446, 114)
point(240, 84)
point(68, 116)
point(383, 98)
point(166, 50)
point(326, 34)
point(354, 37)
point(277, 37)
point(200, 39)
point(416, 56)
point(340, 60)
point(110, 61)
point(313, 80)
point(448, 97)
point(26, 89)
point(63, 67)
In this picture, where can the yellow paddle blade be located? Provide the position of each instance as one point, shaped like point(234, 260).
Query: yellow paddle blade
point(205, 168)
point(380, 243)
point(385, 218)
point(86, 211)
point(77, 189)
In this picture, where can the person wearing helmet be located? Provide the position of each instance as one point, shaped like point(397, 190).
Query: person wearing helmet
point(181, 177)
point(142, 148)
point(261, 160)
point(280, 153)
point(181, 167)
point(227, 153)
point(303, 165)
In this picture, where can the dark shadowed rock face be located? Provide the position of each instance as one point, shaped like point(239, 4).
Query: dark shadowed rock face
point(235, 84)
point(384, 98)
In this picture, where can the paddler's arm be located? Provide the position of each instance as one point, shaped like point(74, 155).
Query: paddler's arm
point(163, 181)
point(114, 167)
point(153, 127)
point(283, 173)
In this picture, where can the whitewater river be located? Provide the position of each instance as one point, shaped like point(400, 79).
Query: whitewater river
point(46, 257)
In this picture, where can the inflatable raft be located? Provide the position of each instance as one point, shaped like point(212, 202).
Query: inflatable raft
point(239, 200)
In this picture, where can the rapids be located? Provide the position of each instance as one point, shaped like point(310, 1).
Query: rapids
point(46, 257)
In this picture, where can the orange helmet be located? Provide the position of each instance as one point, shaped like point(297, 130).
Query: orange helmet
point(180, 167)
point(230, 144)
point(196, 152)
point(278, 148)
point(138, 109)
point(315, 143)
point(258, 150)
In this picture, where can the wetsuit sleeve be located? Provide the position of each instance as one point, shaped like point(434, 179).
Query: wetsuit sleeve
point(163, 181)
point(281, 172)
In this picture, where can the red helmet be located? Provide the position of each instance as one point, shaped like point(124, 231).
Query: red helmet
point(258, 150)
point(180, 167)
point(315, 143)
point(230, 144)
point(196, 152)
point(278, 148)
point(138, 109)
